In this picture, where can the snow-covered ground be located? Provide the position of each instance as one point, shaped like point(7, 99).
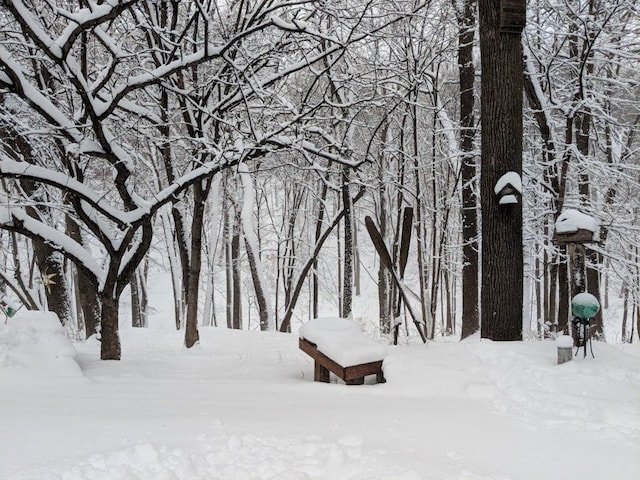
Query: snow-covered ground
point(242, 405)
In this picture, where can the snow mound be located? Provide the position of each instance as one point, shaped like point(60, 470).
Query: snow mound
point(34, 344)
point(599, 395)
point(564, 341)
point(245, 457)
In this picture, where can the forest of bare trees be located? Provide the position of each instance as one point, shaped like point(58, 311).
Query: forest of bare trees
point(235, 148)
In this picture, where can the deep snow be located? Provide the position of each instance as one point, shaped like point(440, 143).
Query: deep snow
point(242, 405)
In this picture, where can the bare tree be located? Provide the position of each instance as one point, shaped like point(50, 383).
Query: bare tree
point(100, 115)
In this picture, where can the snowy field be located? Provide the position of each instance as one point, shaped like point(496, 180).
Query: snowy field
point(242, 405)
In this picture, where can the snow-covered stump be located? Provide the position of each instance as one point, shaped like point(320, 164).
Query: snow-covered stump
point(565, 348)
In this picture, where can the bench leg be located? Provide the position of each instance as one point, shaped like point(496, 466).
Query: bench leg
point(380, 377)
point(355, 381)
point(320, 373)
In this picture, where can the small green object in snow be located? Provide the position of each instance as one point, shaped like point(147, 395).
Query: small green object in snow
point(585, 306)
point(10, 312)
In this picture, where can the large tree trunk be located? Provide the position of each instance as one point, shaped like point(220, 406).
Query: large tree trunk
point(200, 192)
point(109, 336)
point(51, 266)
point(501, 112)
point(470, 265)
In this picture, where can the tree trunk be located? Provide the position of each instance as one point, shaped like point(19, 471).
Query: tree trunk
point(200, 192)
point(347, 283)
point(176, 269)
point(501, 112)
point(384, 277)
point(625, 313)
point(139, 298)
point(577, 265)
point(563, 293)
point(228, 263)
point(109, 337)
point(235, 269)
point(136, 303)
point(263, 311)
point(86, 291)
point(552, 310)
point(470, 272)
point(51, 266)
point(253, 252)
point(315, 286)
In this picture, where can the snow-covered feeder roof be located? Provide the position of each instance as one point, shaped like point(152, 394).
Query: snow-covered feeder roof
point(511, 179)
point(584, 305)
point(342, 340)
point(574, 226)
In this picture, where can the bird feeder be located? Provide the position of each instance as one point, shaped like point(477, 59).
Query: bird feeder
point(573, 226)
point(508, 189)
point(513, 16)
point(574, 229)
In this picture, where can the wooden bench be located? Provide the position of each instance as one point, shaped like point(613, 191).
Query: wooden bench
point(352, 375)
point(338, 345)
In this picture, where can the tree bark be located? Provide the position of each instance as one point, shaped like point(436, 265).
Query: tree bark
point(228, 263)
point(315, 285)
point(51, 266)
point(136, 303)
point(563, 292)
point(384, 277)
point(253, 252)
point(109, 336)
point(470, 265)
point(86, 291)
point(235, 270)
point(501, 112)
point(347, 283)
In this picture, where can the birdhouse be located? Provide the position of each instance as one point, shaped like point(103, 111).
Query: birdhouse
point(513, 16)
point(508, 189)
point(573, 226)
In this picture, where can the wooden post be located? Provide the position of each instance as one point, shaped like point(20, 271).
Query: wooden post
point(513, 15)
point(565, 349)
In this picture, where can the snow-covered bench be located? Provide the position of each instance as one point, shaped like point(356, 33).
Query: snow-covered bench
point(338, 345)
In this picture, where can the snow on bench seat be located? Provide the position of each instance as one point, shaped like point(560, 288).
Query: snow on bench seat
point(340, 346)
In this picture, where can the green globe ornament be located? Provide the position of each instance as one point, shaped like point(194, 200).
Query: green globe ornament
point(585, 306)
